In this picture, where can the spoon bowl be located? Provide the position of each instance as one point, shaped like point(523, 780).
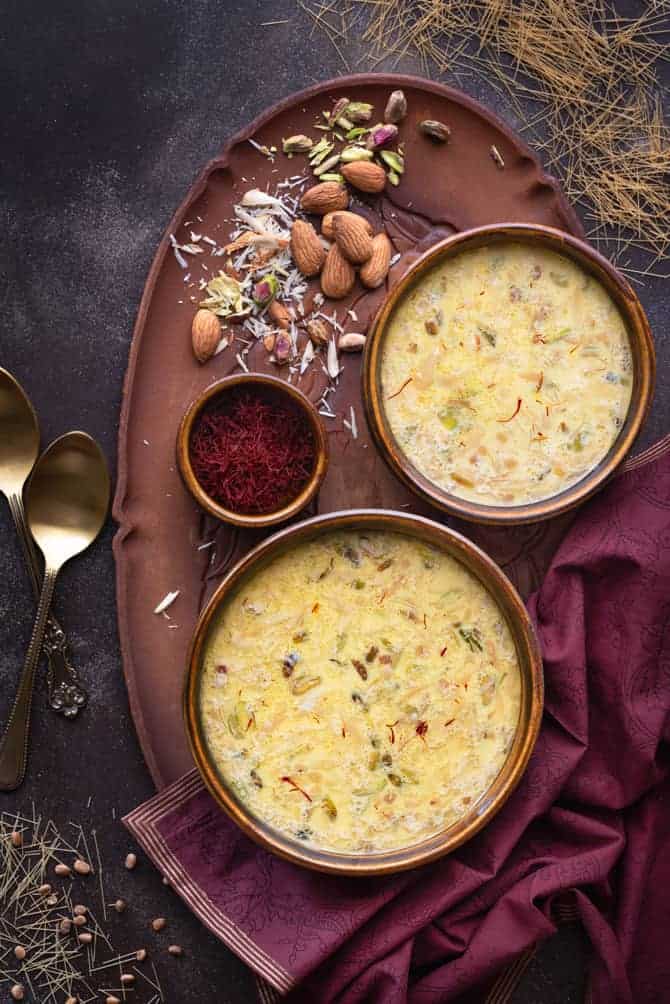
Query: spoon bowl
point(20, 440)
point(67, 497)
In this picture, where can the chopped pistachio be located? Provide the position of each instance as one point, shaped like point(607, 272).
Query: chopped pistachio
point(339, 178)
point(447, 417)
point(327, 164)
point(265, 290)
point(338, 109)
point(393, 160)
point(329, 808)
point(234, 728)
point(381, 135)
point(439, 132)
point(297, 144)
point(396, 107)
point(358, 111)
point(488, 334)
point(472, 638)
point(353, 153)
point(319, 152)
point(224, 296)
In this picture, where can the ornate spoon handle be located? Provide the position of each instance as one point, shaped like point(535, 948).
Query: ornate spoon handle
point(14, 744)
point(66, 695)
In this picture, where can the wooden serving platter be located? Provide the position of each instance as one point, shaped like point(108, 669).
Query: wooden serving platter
point(444, 190)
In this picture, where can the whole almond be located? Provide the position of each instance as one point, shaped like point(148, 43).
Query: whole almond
point(327, 197)
point(327, 227)
point(352, 341)
point(338, 276)
point(376, 267)
point(352, 235)
point(205, 334)
point(280, 315)
point(327, 224)
point(308, 252)
point(365, 175)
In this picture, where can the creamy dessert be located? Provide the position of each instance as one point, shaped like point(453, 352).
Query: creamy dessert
point(360, 692)
point(506, 374)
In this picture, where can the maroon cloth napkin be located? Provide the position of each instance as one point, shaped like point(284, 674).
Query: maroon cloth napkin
point(590, 819)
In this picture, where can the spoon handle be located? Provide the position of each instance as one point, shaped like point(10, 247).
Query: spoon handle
point(66, 695)
point(14, 744)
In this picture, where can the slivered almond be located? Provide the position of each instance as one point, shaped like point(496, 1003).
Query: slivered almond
point(352, 341)
point(376, 267)
point(308, 252)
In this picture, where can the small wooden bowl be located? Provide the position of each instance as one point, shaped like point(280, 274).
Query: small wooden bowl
point(642, 350)
point(280, 388)
point(530, 664)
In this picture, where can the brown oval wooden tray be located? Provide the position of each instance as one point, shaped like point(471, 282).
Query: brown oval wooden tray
point(160, 528)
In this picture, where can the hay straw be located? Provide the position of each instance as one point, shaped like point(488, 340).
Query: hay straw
point(587, 74)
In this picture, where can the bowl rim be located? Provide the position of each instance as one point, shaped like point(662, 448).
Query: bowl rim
point(530, 714)
point(319, 433)
point(644, 371)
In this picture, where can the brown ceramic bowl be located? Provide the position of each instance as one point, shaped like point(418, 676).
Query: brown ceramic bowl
point(530, 661)
point(281, 388)
point(644, 368)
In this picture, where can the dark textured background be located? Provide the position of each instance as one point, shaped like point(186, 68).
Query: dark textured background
point(109, 109)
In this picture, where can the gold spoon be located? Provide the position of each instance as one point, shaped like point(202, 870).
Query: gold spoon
point(67, 499)
point(19, 447)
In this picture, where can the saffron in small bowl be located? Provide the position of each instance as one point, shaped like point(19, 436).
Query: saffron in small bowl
point(252, 450)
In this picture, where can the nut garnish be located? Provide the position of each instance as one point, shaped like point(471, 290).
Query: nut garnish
point(327, 197)
point(396, 107)
point(352, 341)
point(497, 158)
point(338, 276)
point(205, 334)
point(280, 315)
point(381, 135)
point(306, 248)
point(318, 331)
point(437, 131)
point(376, 268)
point(365, 176)
point(297, 144)
point(352, 235)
